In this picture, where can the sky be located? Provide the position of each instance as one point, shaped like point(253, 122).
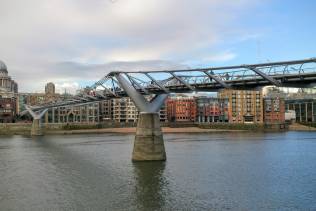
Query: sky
point(73, 43)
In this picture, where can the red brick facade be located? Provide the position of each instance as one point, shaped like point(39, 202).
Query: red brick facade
point(181, 109)
point(7, 110)
point(211, 110)
point(274, 110)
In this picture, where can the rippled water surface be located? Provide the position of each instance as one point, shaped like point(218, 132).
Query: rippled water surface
point(218, 171)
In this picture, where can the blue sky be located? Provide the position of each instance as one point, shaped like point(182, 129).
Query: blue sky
point(74, 42)
point(282, 30)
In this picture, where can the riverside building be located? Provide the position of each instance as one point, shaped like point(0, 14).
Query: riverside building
point(105, 108)
point(124, 110)
point(210, 109)
point(8, 96)
point(88, 113)
point(274, 110)
point(181, 109)
point(244, 106)
point(38, 98)
point(304, 107)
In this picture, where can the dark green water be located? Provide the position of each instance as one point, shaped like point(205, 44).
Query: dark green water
point(220, 171)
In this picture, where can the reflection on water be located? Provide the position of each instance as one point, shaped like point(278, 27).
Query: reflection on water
point(216, 171)
point(150, 185)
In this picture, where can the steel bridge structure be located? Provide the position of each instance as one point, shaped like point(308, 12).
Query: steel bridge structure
point(136, 84)
point(297, 74)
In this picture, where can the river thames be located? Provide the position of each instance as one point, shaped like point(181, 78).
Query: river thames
point(214, 171)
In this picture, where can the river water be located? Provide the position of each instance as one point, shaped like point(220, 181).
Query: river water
point(215, 171)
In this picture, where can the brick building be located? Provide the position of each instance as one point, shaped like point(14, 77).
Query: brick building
point(244, 106)
point(7, 110)
point(274, 110)
point(211, 109)
point(35, 99)
point(181, 109)
point(8, 96)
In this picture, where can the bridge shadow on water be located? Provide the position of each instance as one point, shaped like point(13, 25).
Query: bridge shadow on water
point(150, 185)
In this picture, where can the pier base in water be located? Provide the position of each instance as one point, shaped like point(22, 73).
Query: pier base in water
point(36, 128)
point(149, 144)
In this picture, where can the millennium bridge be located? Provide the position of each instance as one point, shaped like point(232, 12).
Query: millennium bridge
point(148, 144)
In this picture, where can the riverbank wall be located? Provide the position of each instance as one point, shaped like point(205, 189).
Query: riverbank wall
point(248, 127)
point(15, 128)
point(107, 127)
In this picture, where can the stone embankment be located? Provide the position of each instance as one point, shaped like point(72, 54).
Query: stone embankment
point(132, 130)
point(15, 128)
point(300, 127)
point(25, 128)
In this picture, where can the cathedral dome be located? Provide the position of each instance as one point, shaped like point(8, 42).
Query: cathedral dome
point(3, 67)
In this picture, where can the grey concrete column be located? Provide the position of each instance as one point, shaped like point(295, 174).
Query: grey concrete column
point(58, 114)
point(98, 112)
point(87, 114)
point(94, 113)
point(80, 111)
point(149, 144)
point(306, 112)
point(36, 129)
point(313, 118)
point(53, 115)
point(300, 106)
point(46, 117)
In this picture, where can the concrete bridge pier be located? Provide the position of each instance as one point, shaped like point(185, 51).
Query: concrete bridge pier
point(148, 143)
point(36, 129)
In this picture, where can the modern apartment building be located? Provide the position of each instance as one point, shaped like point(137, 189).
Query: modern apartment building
point(304, 107)
point(244, 106)
point(105, 110)
point(124, 110)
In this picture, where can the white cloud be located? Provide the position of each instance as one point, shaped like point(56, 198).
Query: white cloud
point(220, 57)
point(67, 87)
point(37, 35)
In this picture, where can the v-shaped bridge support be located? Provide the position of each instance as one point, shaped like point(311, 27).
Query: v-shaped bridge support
point(141, 103)
point(148, 144)
point(36, 129)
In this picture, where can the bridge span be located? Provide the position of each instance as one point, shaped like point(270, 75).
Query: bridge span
point(148, 144)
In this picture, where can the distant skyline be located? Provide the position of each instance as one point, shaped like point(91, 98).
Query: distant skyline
point(75, 42)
